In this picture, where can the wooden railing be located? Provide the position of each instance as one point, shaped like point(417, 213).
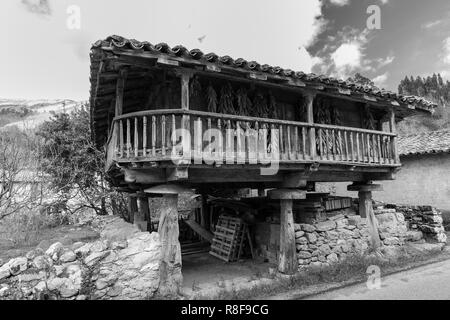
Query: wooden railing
point(148, 136)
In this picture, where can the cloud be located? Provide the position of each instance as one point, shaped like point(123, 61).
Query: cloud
point(345, 56)
point(431, 24)
point(340, 3)
point(380, 80)
point(446, 53)
point(386, 61)
point(39, 7)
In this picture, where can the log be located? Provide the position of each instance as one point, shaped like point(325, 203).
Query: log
point(171, 278)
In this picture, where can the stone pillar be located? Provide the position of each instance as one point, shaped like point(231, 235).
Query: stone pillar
point(287, 262)
point(366, 209)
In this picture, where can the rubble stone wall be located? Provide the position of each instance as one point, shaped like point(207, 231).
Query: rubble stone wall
point(425, 219)
point(122, 264)
point(343, 234)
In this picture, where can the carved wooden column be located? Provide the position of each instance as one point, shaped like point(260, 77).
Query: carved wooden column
point(366, 209)
point(171, 278)
point(310, 119)
point(287, 262)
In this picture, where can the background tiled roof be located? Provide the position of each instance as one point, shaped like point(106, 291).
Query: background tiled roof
point(425, 143)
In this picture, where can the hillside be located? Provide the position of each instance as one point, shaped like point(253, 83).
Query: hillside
point(28, 114)
point(434, 89)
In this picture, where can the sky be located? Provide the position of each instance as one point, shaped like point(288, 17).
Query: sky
point(45, 47)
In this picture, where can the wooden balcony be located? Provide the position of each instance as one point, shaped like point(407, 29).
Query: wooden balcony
point(147, 136)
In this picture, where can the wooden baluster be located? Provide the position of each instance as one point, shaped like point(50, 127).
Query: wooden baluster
point(163, 135)
point(374, 149)
point(352, 147)
point(128, 138)
point(199, 139)
point(339, 149)
point(369, 148)
point(136, 137)
point(346, 145)
point(358, 156)
point(363, 147)
point(238, 143)
point(380, 155)
point(229, 143)
point(173, 136)
point(289, 147)
point(220, 142)
point(121, 138)
point(247, 142)
point(153, 135)
point(304, 143)
point(209, 137)
point(282, 146)
point(333, 150)
point(321, 143)
point(144, 137)
point(296, 149)
point(327, 143)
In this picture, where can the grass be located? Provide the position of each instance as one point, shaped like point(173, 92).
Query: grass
point(352, 269)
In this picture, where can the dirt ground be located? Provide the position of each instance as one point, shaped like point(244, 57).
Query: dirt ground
point(203, 272)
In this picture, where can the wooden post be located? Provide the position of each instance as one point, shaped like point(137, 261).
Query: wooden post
point(141, 217)
point(170, 267)
point(119, 91)
point(170, 279)
point(287, 262)
point(393, 129)
point(132, 207)
point(185, 76)
point(310, 119)
point(366, 209)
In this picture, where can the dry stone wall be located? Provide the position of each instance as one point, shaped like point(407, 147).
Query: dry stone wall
point(424, 219)
point(344, 233)
point(122, 264)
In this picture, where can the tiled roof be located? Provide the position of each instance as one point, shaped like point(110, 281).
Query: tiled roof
point(179, 51)
point(425, 143)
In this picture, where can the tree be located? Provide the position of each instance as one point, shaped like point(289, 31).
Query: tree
point(72, 161)
point(362, 80)
point(21, 185)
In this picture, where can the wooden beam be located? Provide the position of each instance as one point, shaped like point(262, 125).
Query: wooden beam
point(120, 91)
point(201, 231)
